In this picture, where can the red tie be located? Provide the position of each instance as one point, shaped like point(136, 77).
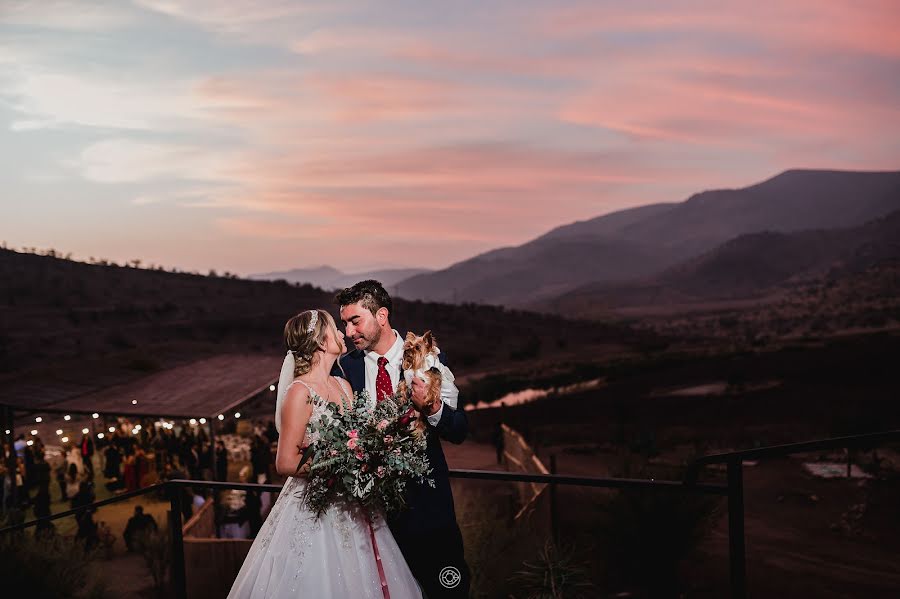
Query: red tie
point(383, 386)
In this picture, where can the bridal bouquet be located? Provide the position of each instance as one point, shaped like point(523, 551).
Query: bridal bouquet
point(365, 451)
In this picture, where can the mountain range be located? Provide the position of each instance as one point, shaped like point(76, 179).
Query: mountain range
point(751, 266)
point(673, 248)
point(328, 278)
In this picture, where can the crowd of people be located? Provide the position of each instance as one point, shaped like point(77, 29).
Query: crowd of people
point(130, 457)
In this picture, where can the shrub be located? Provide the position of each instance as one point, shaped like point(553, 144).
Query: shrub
point(45, 566)
point(156, 547)
point(555, 574)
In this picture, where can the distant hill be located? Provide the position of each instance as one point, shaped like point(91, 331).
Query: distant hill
point(329, 278)
point(749, 266)
point(636, 243)
point(68, 327)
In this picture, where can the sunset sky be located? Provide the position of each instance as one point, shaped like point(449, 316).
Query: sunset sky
point(254, 136)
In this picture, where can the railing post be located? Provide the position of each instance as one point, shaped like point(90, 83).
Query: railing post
point(554, 519)
point(736, 529)
point(179, 581)
point(12, 460)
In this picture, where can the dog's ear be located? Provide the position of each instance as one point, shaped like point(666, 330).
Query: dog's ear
point(428, 338)
point(410, 339)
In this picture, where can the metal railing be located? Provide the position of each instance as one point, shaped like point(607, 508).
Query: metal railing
point(733, 490)
point(734, 462)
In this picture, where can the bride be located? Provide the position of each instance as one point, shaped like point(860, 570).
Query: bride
point(344, 553)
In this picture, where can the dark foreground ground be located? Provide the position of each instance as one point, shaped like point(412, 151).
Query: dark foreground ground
point(806, 536)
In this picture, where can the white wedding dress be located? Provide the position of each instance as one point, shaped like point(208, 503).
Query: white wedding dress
point(296, 555)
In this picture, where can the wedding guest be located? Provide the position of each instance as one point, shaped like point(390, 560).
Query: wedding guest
point(73, 480)
point(87, 453)
point(41, 472)
point(159, 450)
point(260, 459)
point(87, 528)
point(205, 467)
point(138, 525)
point(129, 473)
point(20, 446)
point(5, 487)
point(113, 461)
point(28, 472)
point(60, 472)
point(221, 461)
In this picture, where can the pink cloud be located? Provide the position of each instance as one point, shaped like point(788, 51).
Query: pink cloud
point(867, 27)
point(725, 112)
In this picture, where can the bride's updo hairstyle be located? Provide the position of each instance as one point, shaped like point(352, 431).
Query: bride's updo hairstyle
point(305, 343)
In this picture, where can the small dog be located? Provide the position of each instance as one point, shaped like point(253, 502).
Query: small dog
point(420, 360)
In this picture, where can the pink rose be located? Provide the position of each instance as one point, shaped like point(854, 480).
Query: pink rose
point(382, 425)
point(352, 443)
point(364, 468)
point(380, 472)
point(353, 434)
point(359, 454)
point(388, 439)
point(334, 452)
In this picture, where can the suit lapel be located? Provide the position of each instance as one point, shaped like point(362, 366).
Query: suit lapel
point(355, 369)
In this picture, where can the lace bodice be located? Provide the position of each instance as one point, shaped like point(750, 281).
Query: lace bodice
point(320, 413)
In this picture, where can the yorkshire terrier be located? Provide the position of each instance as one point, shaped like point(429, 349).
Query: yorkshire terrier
point(420, 360)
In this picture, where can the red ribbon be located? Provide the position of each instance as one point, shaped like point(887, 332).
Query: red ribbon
point(384, 584)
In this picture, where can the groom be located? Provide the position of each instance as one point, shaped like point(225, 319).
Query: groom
point(426, 532)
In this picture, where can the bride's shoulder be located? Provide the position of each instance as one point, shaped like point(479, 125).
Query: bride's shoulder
point(298, 390)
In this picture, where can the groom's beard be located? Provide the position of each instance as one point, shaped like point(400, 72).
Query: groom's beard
point(364, 342)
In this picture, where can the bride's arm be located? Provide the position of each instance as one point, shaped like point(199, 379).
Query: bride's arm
point(295, 414)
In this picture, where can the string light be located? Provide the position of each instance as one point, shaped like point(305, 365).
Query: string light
point(193, 421)
point(100, 435)
point(84, 431)
point(7, 431)
point(271, 387)
point(38, 419)
point(137, 427)
point(134, 402)
point(95, 415)
point(221, 417)
point(112, 429)
point(29, 443)
point(33, 433)
point(237, 414)
point(203, 421)
point(67, 417)
point(65, 439)
point(58, 432)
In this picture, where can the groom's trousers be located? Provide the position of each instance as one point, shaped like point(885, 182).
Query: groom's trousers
point(436, 560)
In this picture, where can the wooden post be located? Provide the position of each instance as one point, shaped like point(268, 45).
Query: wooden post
point(12, 461)
point(215, 471)
point(554, 518)
point(736, 546)
point(179, 580)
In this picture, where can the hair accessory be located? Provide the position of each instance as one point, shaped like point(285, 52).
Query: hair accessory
point(312, 321)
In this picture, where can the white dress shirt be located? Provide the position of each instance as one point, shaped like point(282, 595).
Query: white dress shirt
point(394, 363)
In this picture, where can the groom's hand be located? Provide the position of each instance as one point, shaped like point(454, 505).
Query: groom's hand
point(418, 397)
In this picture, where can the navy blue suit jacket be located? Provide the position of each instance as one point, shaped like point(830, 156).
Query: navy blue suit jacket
point(428, 508)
